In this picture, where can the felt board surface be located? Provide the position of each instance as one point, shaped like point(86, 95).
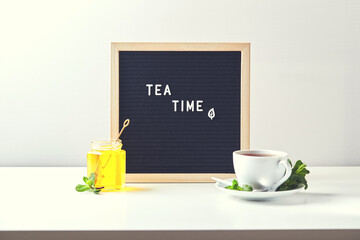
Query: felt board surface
point(162, 140)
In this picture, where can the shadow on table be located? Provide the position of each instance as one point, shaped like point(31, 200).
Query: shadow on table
point(129, 189)
point(302, 198)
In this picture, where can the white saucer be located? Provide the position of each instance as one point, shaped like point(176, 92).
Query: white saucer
point(259, 196)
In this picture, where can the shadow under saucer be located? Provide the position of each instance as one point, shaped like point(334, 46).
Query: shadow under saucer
point(302, 198)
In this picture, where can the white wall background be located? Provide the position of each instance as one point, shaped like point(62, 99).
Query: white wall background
point(55, 71)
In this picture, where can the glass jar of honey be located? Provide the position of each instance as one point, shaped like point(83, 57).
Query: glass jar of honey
point(107, 160)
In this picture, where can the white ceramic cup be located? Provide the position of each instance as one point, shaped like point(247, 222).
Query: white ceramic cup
point(266, 171)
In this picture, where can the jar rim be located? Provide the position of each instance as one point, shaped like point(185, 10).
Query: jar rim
point(106, 140)
point(106, 144)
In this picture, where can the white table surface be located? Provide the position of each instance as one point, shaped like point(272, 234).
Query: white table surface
point(45, 199)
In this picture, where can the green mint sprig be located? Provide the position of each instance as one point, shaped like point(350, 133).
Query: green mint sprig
point(297, 177)
point(235, 186)
point(90, 185)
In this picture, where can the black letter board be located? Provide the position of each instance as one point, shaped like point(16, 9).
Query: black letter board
point(185, 110)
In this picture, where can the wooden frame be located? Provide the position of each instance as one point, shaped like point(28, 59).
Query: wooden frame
point(245, 99)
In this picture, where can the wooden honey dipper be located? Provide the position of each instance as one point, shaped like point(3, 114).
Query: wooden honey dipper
point(125, 124)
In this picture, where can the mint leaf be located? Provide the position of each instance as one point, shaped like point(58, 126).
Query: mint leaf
point(290, 162)
point(235, 183)
point(235, 186)
point(92, 177)
point(85, 179)
point(82, 188)
point(90, 185)
point(94, 190)
point(247, 188)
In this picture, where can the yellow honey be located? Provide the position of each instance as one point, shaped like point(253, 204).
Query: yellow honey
point(108, 161)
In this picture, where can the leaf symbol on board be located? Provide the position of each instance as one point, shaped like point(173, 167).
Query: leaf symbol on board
point(211, 113)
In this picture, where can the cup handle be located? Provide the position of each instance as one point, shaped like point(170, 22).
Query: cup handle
point(286, 176)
